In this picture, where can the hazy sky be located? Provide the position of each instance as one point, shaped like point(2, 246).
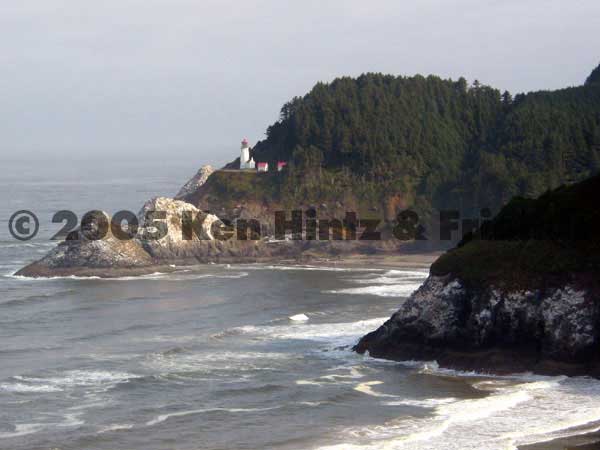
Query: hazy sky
point(168, 76)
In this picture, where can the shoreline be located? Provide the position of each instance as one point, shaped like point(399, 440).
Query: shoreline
point(586, 440)
point(496, 361)
point(382, 260)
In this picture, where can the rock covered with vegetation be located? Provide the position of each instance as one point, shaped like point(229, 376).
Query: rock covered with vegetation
point(377, 144)
point(523, 293)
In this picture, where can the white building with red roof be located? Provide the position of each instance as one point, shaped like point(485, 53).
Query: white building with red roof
point(246, 162)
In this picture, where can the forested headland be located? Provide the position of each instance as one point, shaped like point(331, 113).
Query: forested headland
point(382, 142)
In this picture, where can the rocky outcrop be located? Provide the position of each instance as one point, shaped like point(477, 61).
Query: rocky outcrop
point(82, 254)
point(195, 182)
point(520, 294)
point(160, 243)
point(556, 330)
point(173, 213)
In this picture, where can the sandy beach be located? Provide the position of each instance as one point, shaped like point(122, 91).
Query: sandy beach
point(585, 441)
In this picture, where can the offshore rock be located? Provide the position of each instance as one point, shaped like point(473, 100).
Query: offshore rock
point(83, 255)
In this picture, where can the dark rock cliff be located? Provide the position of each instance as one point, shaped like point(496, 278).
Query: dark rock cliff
point(521, 294)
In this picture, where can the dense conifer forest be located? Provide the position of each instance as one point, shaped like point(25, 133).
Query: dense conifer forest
point(437, 143)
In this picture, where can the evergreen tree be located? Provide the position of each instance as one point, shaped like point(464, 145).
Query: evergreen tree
point(435, 141)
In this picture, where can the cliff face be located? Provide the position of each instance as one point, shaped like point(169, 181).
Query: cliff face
point(195, 182)
point(491, 330)
point(524, 298)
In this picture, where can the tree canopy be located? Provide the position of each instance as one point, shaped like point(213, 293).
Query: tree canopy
point(594, 77)
point(448, 143)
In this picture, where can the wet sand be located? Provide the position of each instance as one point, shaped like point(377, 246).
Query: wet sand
point(586, 441)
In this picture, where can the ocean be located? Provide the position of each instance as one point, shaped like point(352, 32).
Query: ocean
point(207, 357)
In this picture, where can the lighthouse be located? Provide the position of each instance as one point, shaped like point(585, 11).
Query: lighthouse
point(245, 161)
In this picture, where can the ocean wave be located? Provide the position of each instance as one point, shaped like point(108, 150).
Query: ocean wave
point(512, 414)
point(339, 334)
point(423, 403)
point(384, 280)
point(366, 388)
point(311, 404)
point(182, 276)
point(155, 276)
point(69, 379)
point(351, 373)
point(308, 383)
point(41, 279)
point(407, 273)
point(164, 417)
point(307, 267)
point(391, 277)
point(22, 429)
point(183, 362)
point(392, 283)
point(386, 290)
point(37, 297)
point(26, 388)
point(116, 427)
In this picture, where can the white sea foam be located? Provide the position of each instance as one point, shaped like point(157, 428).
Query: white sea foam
point(308, 383)
point(345, 333)
point(423, 403)
point(366, 388)
point(71, 420)
point(176, 276)
point(24, 388)
point(382, 280)
point(183, 275)
point(335, 378)
point(299, 318)
point(300, 267)
point(163, 417)
point(408, 273)
point(116, 427)
point(211, 362)
point(353, 373)
point(312, 404)
point(69, 379)
point(22, 429)
point(513, 414)
point(385, 290)
point(392, 283)
point(392, 277)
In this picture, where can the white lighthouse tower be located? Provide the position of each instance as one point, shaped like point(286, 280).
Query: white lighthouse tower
point(245, 161)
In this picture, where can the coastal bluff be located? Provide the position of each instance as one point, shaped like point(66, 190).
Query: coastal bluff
point(520, 294)
point(212, 241)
